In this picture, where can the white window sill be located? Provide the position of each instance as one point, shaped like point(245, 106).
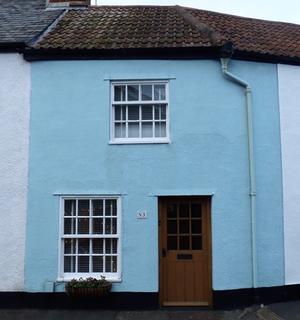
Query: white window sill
point(133, 141)
point(67, 279)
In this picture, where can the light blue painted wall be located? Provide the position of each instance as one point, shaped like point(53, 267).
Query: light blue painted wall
point(69, 153)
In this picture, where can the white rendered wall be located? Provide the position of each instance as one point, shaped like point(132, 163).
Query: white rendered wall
point(289, 98)
point(14, 124)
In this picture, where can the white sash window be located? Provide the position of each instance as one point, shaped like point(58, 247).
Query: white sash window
point(140, 112)
point(90, 237)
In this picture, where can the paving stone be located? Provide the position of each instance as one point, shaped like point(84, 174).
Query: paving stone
point(287, 310)
point(266, 314)
point(34, 314)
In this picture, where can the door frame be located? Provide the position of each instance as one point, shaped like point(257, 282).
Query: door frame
point(208, 200)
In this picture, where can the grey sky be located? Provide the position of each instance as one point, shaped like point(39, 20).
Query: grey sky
point(278, 10)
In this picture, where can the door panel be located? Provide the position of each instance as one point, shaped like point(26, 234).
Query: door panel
point(185, 258)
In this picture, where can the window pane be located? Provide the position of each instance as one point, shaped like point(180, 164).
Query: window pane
point(114, 226)
point(110, 264)
point(172, 227)
point(69, 226)
point(97, 264)
point(107, 264)
point(133, 113)
point(114, 245)
point(98, 226)
point(172, 243)
point(196, 210)
point(133, 92)
point(160, 112)
point(120, 130)
point(97, 245)
point(118, 113)
point(123, 112)
point(97, 207)
point(107, 226)
point(70, 206)
point(159, 92)
point(147, 113)
point(147, 130)
point(146, 92)
point(110, 225)
point(83, 263)
point(184, 210)
point(163, 113)
point(184, 243)
point(69, 264)
point(108, 246)
point(196, 243)
point(157, 112)
point(111, 246)
point(114, 264)
point(133, 130)
point(184, 226)
point(163, 129)
point(70, 246)
point(83, 226)
point(172, 211)
point(110, 207)
point(83, 207)
point(196, 226)
point(160, 129)
point(84, 246)
point(119, 93)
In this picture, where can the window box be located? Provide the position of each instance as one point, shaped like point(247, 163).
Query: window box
point(89, 287)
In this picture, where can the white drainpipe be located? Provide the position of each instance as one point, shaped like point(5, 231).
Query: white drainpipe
point(232, 77)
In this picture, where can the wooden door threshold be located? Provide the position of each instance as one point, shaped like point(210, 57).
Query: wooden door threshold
point(185, 304)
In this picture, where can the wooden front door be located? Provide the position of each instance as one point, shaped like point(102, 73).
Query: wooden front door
point(185, 255)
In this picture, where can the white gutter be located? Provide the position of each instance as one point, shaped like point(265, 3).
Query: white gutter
point(248, 92)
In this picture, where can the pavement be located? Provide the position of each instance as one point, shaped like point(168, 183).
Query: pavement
point(276, 311)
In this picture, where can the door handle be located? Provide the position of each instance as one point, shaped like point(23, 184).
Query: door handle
point(163, 252)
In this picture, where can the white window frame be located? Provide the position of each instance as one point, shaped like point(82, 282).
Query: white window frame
point(114, 276)
point(139, 140)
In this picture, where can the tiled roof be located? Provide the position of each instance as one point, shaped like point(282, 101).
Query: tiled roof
point(131, 27)
point(112, 27)
point(21, 20)
point(254, 35)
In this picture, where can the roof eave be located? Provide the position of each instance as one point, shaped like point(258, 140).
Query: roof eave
point(265, 57)
point(32, 54)
point(6, 47)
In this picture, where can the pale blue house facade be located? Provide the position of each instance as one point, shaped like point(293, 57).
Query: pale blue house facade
point(155, 146)
point(72, 156)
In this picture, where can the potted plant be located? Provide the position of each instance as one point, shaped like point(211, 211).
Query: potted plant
point(89, 287)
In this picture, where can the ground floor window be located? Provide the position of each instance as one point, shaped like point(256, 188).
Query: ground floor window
point(90, 237)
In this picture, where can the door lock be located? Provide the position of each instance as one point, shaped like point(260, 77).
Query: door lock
point(163, 252)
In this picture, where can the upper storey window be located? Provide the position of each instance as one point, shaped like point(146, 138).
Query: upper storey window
point(140, 112)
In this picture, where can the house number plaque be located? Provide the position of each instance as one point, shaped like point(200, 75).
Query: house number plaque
point(141, 215)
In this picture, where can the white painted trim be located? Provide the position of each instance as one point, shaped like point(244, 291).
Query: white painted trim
point(112, 277)
point(66, 279)
point(79, 194)
point(139, 140)
point(289, 102)
point(60, 263)
point(139, 77)
point(186, 193)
